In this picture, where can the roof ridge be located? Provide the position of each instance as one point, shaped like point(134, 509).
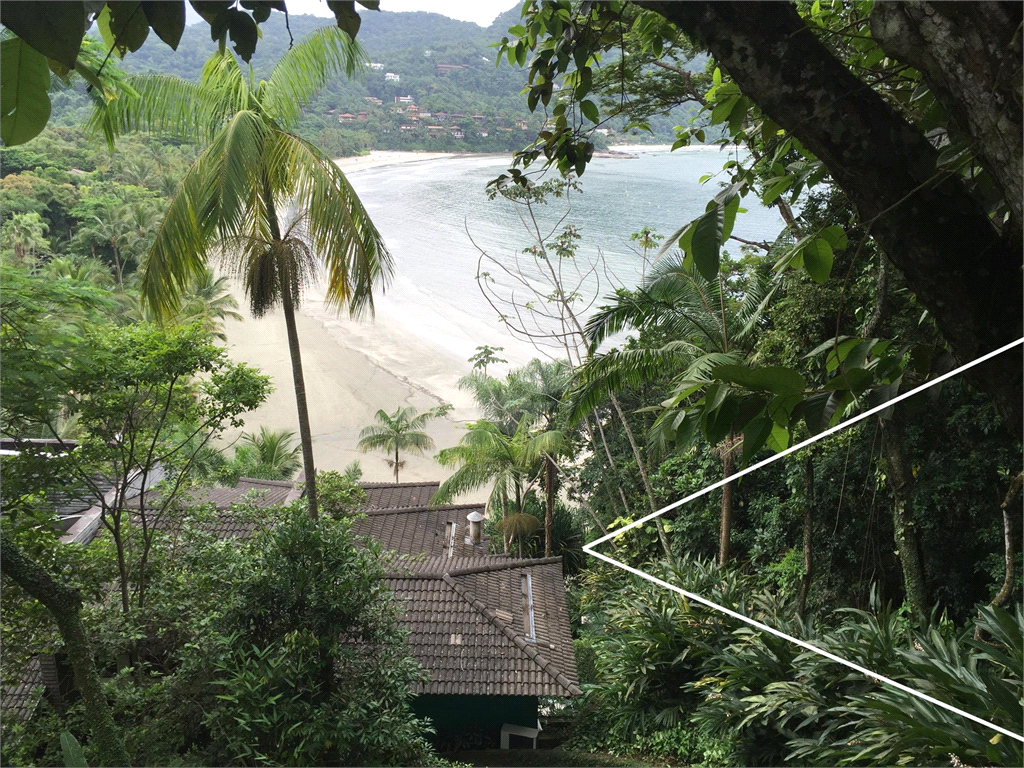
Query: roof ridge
point(404, 510)
point(549, 667)
point(399, 485)
point(504, 565)
point(259, 481)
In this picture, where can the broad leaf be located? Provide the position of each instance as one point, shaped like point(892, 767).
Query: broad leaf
point(56, 33)
point(818, 260)
point(24, 101)
point(589, 110)
point(777, 379)
point(707, 242)
point(167, 19)
point(127, 25)
point(755, 435)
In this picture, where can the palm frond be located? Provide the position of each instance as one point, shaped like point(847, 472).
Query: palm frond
point(614, 371)
point(179, 252)
point(160, 104)
point(306, 68)
point(338, 226)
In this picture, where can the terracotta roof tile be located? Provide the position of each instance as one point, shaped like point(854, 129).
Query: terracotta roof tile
point(398, 495)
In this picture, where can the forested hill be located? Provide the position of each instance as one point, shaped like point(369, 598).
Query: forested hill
point(433, 85)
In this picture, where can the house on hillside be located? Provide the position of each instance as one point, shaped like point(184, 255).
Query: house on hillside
point(491, 631)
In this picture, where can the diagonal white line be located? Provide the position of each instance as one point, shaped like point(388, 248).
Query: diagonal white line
point(589, 548)
point(820, 436)
point(803, 644)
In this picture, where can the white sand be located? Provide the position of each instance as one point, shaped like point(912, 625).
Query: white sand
point(352, 369)
point(379, 158)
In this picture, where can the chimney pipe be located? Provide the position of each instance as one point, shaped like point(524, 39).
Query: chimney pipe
point(475, 527)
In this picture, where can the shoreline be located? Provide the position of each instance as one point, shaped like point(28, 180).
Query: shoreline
point(351, 369)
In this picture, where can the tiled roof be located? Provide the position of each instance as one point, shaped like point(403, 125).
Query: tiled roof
point(467, 626)
point(398, 495)
point(421, 530)
point(19, 699)
point(224, 523)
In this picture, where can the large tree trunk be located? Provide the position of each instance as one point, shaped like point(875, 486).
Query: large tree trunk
point(901, 481)
point(725, 523)
point(299, 382)
point(805, 582)
point(65, 604)
point(970, 56)
point(925, 220)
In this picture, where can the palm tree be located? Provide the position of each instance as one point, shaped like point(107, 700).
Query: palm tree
point(531, 394)
point(399, 431)
point(209, 303)
point(91, 271)
point(706, 327)
point(26, 233)
point(270, 455)
point(252, 167)
point(485, 454)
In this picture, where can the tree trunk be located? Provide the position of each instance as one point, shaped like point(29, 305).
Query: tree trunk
point(305, 434)
point(970, 56)
point(1008, 548)
point(658, 522)
point(65, 604)
point(901, 481)
point(549, 507)
point(805, 582)
point(396, 463)
point(504, 517)
point(725, 526)
point(923, 218)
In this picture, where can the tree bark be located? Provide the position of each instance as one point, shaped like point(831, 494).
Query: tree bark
point(1008, 548)
point(299, 382)
point(65, 604)
point(805, 582)
point(901, 481)
point(725, 524)
point(925, 220)
point(970, 56)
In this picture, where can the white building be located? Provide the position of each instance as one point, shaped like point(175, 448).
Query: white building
point(392, 77)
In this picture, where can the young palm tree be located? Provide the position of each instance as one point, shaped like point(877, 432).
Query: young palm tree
point(252, 168)
point(273, 452)
point(399, 431)
point(485, 454)
point(705, 328)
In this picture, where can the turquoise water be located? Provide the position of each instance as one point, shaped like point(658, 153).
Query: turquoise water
point(428, 212)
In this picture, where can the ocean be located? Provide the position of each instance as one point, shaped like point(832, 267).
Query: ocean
point(436, 219)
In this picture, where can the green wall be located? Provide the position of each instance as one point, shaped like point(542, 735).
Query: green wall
point(477, 711)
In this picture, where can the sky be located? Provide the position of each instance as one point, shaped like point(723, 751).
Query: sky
point(483, 12)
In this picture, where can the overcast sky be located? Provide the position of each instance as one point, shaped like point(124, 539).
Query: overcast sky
point(483, 12)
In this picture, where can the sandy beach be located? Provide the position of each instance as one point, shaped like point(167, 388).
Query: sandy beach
point(353, 368)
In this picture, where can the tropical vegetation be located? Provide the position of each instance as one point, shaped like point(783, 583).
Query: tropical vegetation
point(891, 544)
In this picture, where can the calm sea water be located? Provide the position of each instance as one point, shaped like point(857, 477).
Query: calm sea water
point(428, 212)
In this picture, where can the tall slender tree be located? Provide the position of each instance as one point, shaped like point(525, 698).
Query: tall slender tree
point(252, 168)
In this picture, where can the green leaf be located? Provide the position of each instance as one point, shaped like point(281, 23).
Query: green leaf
point(814, 412)
point(24, 82)
point(723, 109)
point(729, 218)
point(818, 260)
point(128, 25)
point(778, 186)
point(74, 757)
point(244, 34)
point(755, 435)
point(166, 19)
point(589, 110)
point(707, 241)
point(778, 440)
point(56, 33)
point(836, 237)
point(345, 15)
point(777, 379)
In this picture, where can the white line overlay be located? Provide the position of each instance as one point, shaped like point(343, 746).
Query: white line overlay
point(589, 548)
